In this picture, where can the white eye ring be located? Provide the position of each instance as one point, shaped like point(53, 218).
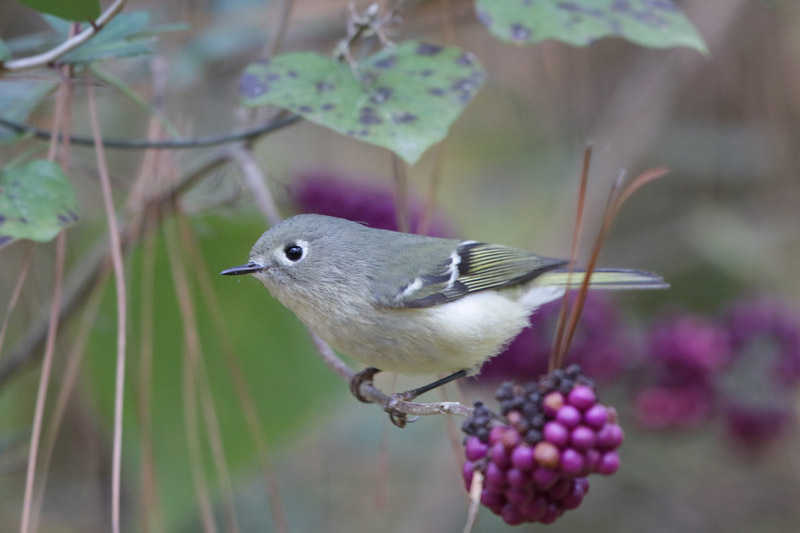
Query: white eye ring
point(294, 252)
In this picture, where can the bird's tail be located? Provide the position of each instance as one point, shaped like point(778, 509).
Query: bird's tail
point(604, 278)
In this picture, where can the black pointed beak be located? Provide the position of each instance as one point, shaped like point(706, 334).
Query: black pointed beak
point(249, 268)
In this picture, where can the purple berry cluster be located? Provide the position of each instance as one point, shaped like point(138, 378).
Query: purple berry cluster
point(535, 464)
point(740, 368)
point(599, 346)
point(326, 193)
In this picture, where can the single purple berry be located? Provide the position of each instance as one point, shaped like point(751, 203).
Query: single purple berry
point(592, 460)
point(552, 514)
point(574, 498)
point(560, 489)
point(499, 456)
point(556, 433)
point(511, 515)
point(569, 416)
point(544, 477)
point(546, 454)
point(609, 463)
point(522, 457)
point(582, 397)
point(493, 500)
point(596, 416)
point(534, 509)
point(609, 437)
point(517, 478)
point(510, 438)
point(495, 475)
point(495, 434)
point(583, 483)
point(468, 471)
point(475, 449)
point(552, 403)
point(572, 462)
point(518, 495)
point(582, 438)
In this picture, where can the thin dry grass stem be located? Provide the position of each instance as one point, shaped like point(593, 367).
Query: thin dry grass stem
point(619, 194)
point(433, 190)
point(74, 359)
point(280, 31)
point(44, 381)
point(556, 358)
point(475, 490)
point(12, 303)
point(447, 22)
point(62, 102)
point(401, 194)
point(152, 517)
point(453, 433)
point(243, 392)
point(190, 350)
point(122, 310)
point(199, 372)
point(256, 181)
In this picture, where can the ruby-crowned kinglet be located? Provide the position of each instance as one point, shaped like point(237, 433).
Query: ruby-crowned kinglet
point(409, 303)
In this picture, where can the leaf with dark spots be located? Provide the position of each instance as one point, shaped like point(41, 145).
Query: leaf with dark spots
point(403, 99)
point(653, 23)
point(36, 201)
point(251, 87)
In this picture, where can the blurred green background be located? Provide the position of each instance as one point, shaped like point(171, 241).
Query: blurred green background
point(723, 224)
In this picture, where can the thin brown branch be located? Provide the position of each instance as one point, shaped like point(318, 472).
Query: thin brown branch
point(256, 181)
point(122, 310)
point(45, 59)
point(12, 303)
point(44, 381)
point(401, 194)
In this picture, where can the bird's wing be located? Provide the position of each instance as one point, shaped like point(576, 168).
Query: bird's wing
point(471, 267)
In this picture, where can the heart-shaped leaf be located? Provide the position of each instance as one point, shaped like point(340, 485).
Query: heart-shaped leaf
point(36, 202)
point(403, 98)
point(653, 23)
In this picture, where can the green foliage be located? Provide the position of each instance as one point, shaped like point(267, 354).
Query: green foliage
point(121, 37)
point(271, 345)
point(653, 23)
point(36, 202)
point(17, 99)
point(82, 10)
point(403, 98)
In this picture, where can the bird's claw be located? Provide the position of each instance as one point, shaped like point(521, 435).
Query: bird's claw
point(365, 376)
point(398, 417)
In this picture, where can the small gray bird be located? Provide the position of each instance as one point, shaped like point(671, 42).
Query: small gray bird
point(409, 303)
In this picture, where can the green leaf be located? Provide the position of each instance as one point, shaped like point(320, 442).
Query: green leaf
point(653, 23)
point(17, 99)
point(120, 38)
point(5, 51)
point(36, 202)
point(404, 98)
point(67, 9)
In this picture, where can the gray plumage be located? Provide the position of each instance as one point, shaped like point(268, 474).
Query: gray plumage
point(410, 303)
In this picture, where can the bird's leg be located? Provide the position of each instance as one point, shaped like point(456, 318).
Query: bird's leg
point(366, 375)
point(409, 395)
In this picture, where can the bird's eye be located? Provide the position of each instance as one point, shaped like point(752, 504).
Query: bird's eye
point(293, 252)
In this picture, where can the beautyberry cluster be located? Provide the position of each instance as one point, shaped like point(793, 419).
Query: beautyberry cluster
point(535, 463)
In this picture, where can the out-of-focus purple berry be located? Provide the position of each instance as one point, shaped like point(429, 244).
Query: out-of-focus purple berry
point(552, 514)
point(552, 402)
point(596, 416)
point(582, 438)
point(582, 397)
point(609, 463)
point(510, 438)
point(522, 457)
point(468, 471)
point(495, 475)
point(572, 462)
point(754, 427)
point(534, 509)
point(609, 437)
point(546, 454)
point(495, 434)
point(511, 515)
point(583, 483)
point(560, 489)
point(518, 495)
point(493, 500)
point(556, 433)
point(568, 416)
point(517, 478)
point(574, 498)
point(690, 346)
point(593, 457)
point(544, 477)
point(499, 456)
point(475, 449)
point(682, 406)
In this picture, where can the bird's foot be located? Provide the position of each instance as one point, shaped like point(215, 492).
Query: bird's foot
point(398, 418)
point(365, 376)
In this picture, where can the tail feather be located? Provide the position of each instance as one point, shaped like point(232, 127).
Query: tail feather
point(605, 278)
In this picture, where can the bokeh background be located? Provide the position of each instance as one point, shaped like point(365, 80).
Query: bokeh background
point(722, 227)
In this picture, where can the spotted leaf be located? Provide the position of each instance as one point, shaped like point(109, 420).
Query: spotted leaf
point(404, 98)
point(653, 23)
point(36, 202)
